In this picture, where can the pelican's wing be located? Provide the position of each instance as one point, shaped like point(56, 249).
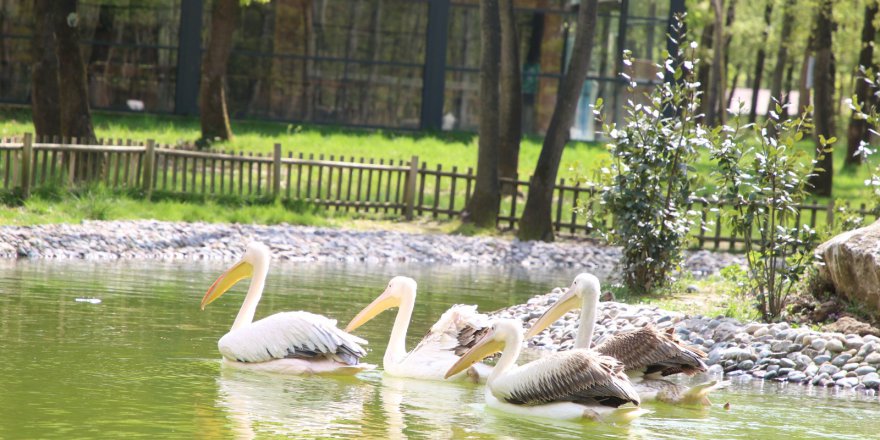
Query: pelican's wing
point(649, 351)
point(580, 376)
point(457, 330)
point(292, 334)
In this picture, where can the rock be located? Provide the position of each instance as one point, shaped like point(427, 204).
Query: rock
point(834, 346)
point(841, 359)
point(821, 359)
point(763, 331)
point(838, 375)
point(737, 354)
point(811, 370)
point(847, 382)
point(873, 358)
point(796, 376)
point(861, 371)
point(850, 367)
point(770, 375)
point(745, 365)
point(828, 369)
point(787, 363)
point(852, 265)
point(818, 344)
point(849, 324)
point(871, 381)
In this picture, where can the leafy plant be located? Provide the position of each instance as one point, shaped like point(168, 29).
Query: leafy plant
point(760, 186)
point(650, 180)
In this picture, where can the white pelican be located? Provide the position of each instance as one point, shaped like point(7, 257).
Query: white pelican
point(646, 354)
point(453, 334)
point(566, 385)
point(287, 342)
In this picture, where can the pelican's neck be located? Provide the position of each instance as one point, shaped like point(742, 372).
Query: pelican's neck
point(396, 350)
point(255, 291)
point(512, 347)
point(589, 309)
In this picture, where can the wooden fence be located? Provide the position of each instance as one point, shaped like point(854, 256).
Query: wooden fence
point(394, 187)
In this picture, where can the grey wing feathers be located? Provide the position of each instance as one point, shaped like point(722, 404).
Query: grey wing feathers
point(653, 351)
point(579, 376)
point(292, 335)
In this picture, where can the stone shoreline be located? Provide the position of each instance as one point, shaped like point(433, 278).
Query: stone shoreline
point(147, 239)
point(754, 351)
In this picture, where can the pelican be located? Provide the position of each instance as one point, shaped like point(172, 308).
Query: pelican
point(566, 385)
point(287, 342)
point(646, 354)
point(456, 331)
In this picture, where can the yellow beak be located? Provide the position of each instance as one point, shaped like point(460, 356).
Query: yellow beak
point(566, 302)
point(234, 274)
point(485, 347)
point(384, 302)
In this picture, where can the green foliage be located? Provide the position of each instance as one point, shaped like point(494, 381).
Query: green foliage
point(870, 113)
point(761, 179)
point(650, 180)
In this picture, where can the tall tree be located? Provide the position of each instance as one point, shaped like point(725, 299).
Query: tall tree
point(858, 128)
point(759, 61)
point(781, 54)
point(214, 115)
point(535, 223)
point(715, 112)
point(482, 208)
point(823, 79)
point(510, 98)
point(73, 92)
point(44, 72)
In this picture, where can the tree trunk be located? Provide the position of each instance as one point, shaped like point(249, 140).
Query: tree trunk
point(823, 80)
point(759, 63)
point(510, 99)
point(715, 91)
point(482, 208)
point(536, 223)
point(732, 89)
point(212, 96)
point(781, 55)
point(705, 72)
point(76, 118)
point(858, 128)
point(44, 73)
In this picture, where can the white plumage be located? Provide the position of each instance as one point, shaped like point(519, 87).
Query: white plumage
point(288, 342)
point(456, 330)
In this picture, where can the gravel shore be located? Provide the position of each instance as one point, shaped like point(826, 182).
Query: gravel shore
point(202, 241)
point(750, 351)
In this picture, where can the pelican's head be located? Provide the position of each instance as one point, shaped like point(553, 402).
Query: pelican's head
point(502, 332)
point(256, 255)
point(398, 289)
point(585, 287)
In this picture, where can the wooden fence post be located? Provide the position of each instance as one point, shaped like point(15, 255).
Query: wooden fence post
point(276, 172)
point(149, 167)
point(27, 150)
point(409, 192)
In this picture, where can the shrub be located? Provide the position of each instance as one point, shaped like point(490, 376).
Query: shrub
point(762, 178)
point(648, 184)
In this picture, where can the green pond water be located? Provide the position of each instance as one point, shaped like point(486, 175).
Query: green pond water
point(144, 363)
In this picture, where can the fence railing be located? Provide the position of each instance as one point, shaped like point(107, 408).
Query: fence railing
point(394, 187)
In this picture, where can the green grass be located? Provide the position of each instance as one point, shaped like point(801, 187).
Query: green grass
point(444, 148)
point(47, 206)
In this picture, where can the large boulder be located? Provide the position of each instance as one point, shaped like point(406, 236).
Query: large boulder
point(852, 265)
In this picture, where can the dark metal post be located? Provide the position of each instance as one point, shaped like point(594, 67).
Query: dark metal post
point(189, 58)
point(620, 83)
point(674, 34)
point(434, 75)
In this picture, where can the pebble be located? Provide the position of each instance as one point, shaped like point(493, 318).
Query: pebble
point(861, 371)
point(841, 359)
point(834, 346)
point(873, 358)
